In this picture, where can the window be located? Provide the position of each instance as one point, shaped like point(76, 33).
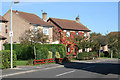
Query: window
point(35, 28)
point(76, 32)
point(6, 31)
point(85, 34)
point(68, 48)
point(0, 27)
point(68, 33)
point(45, 31)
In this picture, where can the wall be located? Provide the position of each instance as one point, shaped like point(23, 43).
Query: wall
point(19, 26)
point(1, 33)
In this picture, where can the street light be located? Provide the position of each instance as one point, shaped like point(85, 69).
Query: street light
point(11, 34)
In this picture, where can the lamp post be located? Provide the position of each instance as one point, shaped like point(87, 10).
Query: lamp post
point(11, 34)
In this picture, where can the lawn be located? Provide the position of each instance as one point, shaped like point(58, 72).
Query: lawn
point(21, 62)
point(108, 58)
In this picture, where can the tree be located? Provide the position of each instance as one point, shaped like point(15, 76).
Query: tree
point(113, 42)
point(32, 37)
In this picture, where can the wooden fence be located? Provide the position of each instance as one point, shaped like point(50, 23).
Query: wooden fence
point(43, 61)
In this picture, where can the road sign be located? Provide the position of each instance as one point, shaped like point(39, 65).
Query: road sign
point(11, 33)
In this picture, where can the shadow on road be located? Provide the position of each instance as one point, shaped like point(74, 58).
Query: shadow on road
point(101, 68)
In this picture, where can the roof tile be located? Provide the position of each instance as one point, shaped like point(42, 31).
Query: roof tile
point(69, 24)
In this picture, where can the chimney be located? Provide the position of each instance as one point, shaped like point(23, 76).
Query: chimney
point(77, 18)
point(44, 16)
point(16, 12)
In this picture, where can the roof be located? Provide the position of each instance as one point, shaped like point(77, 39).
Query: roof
point(32, 18)
point(2, 19)
point(69, 24)
point(2, 37)
point(115, 33)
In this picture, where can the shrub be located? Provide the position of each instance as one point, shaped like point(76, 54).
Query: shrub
point(23, 52)
point(49, 54)
point(57, 55)
point(60, 48)
point(30, 62)
point(6, 59)
point(65, 60)
point(26, 52)
point(86, 55)
point(42, 53)
point(101, 54)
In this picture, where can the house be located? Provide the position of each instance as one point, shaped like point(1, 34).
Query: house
point(3, 22)
point(23, 21)
point(105, 47)
point(68, 28)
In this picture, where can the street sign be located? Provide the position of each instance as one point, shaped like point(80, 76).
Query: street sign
point(11, 33)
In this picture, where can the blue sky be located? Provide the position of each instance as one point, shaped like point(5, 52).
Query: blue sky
point(97, 16)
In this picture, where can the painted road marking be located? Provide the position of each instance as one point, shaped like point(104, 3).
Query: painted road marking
point(73, 71)
point(29, 71)
point(65, 73)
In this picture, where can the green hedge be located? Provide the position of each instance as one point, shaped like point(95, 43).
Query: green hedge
point(5, 55)
point(23, 52)
point(44, 49)
point(86, 55)
point(26, 52)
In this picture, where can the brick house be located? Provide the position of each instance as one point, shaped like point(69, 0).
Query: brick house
point(105, 47)
point(68, 28)
point(3, 22)
point(23, 21)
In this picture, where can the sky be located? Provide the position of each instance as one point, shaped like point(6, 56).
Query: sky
point(99, 17)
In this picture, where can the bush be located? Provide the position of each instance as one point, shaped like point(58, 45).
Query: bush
point(56, 49)
point(57, 55)
point(6, 59)
point(86, 55)
point(42, 53)
point(49, 54)
point(65, 60)
point(101, 54)
point(23, 52)
point(30, 62)
point(26, 52)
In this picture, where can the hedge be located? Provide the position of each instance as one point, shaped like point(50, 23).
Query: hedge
point(44, 51)
point(23, 52)
point(86, 55)
point(26, 52)
point(5, 55)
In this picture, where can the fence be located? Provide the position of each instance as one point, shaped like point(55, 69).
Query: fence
point(43, 61)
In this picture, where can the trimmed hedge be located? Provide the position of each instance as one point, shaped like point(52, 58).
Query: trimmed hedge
point(43, 50)
point(26, 52)
point(5, 55)
point(86, 55)
point(23, 52)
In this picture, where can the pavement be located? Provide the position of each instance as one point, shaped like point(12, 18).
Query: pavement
point(97, 68)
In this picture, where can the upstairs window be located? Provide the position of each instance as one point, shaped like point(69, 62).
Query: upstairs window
point(76, 32)
point(45, 31)
point(35, 28)
point(6, 31)
point(68, 33)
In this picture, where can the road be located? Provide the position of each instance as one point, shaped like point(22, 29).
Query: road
point(108, 68)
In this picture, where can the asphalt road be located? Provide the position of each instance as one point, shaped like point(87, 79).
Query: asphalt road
point(102, 69)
